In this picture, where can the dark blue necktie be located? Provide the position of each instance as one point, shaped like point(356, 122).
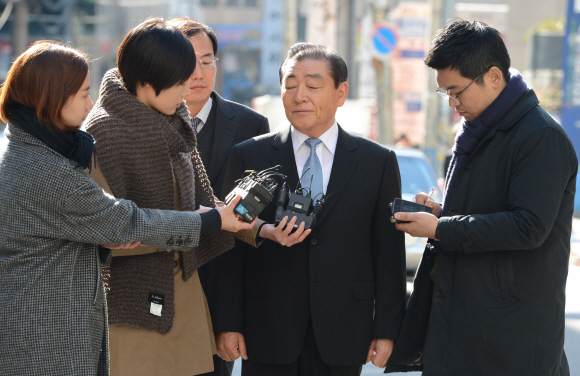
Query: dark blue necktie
point(194, 123)
point(314, 174)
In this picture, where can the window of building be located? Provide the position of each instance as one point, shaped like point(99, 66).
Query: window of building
point(209, 3)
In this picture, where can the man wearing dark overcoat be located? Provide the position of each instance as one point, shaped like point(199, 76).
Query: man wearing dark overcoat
point(503, 230)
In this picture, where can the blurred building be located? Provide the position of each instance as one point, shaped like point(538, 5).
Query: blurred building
point(22, 22)
point(254, 35)
point(251, 41)
point(249, 33)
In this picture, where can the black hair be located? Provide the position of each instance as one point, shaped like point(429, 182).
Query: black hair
point(190, 27)
point(469, 47)
point(157, 54)
point(309, 51)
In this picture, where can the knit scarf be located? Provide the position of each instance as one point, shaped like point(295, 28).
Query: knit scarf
point(77, 146)
point(143, 154)
point(472, 132)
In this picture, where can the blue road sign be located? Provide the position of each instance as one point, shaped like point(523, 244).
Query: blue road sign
point(384, 40)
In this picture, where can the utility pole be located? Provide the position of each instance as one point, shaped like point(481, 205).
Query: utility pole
point(433, 142)
point(383, 81)
point(20, 28)
point(290, 25)
point(346, 17)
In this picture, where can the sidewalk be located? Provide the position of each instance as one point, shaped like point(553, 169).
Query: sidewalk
point(575, 242)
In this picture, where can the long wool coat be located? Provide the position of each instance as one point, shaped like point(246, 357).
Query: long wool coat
point(53, 315)
point(499, 292)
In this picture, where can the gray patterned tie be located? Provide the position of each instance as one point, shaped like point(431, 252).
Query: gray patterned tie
point(194, 123)
point(315, 172)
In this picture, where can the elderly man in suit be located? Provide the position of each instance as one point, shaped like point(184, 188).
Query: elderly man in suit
point(326, 305)
point(219, 125)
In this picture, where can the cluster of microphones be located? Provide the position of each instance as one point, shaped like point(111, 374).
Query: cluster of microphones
point(257, 191)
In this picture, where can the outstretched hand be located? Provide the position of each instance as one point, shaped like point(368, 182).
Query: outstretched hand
point(229, 220)
point(283, 233)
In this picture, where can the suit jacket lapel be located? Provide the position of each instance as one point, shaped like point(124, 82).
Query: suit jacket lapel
point(225, 133)
point(283, 155)
point(342, 168)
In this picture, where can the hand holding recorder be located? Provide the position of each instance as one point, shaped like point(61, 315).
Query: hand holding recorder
point(416, 219)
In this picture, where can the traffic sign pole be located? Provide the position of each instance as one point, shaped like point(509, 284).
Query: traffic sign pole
point(384, 42)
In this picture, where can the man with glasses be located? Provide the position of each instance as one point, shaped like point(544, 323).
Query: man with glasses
point(494, 271)
point(219, 125)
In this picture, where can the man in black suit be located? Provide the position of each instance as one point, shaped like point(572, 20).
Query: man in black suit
point(219, 124)
point(329, 304)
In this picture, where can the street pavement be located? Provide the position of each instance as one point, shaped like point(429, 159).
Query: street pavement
point(571, 344)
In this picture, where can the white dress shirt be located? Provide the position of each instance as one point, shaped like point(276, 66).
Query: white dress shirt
point(203, 114)
point(324, 150)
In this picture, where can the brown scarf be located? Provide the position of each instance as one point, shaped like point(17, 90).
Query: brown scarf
point(142, 153)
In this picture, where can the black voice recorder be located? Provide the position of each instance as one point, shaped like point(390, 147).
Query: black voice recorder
point(294, 204)
point(400, 205)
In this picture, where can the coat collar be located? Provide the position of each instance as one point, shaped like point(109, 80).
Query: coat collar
point(225, 133)
point(524, 105)
point(343, 165)
point(528, 102)
point(15, 133)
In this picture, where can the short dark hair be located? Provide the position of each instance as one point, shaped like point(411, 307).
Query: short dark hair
point(469, 47)
point(309, 51)
point(43, 78)
point(157, 54)
point(190, 27)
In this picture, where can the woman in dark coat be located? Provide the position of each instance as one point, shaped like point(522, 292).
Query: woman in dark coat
point(53, 316)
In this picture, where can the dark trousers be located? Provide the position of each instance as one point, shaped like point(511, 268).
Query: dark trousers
point(220, 367)
point(309, 363)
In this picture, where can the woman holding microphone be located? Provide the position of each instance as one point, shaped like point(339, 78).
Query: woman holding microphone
point(53, 316)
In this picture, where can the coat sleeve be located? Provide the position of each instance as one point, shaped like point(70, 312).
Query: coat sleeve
point(544, 171)
point(89, 215)
point(388, 247)
point(228, 282)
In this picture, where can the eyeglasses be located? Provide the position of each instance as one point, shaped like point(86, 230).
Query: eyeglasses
point(443, 93)
point(207, 62)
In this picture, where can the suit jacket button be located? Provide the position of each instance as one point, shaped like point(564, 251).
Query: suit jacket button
point(467, 232)
point(313, 241)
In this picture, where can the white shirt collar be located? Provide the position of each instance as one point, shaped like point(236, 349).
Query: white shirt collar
point(205, 110)
point(328, 138)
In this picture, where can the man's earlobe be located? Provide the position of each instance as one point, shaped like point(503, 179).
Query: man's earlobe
point(496, 76)
point(343, 90)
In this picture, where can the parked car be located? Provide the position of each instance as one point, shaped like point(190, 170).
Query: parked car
point(417, 175)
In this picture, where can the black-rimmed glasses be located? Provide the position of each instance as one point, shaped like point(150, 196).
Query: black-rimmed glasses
point(444, 94)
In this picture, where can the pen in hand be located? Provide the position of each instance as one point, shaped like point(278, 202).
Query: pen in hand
point(430, 194)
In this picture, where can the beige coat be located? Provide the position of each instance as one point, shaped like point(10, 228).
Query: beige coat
point(187, 349)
